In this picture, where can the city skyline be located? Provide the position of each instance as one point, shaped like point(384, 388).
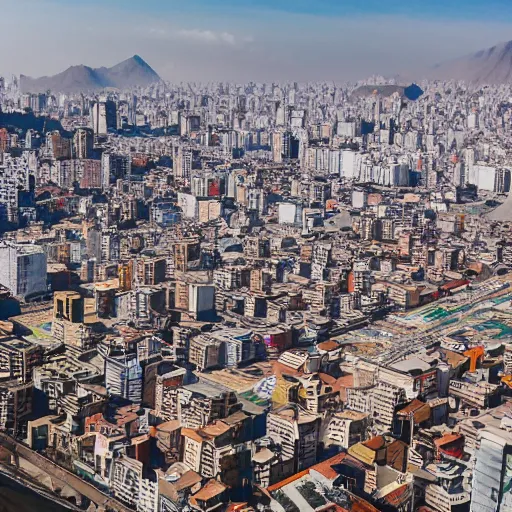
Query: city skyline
point(256, 257)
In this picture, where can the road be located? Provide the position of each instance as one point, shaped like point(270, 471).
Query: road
point(55, 471)
point(426, 334)
point(15, 497)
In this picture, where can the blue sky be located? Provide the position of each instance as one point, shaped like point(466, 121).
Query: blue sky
point(434, 9)
point(239, 40)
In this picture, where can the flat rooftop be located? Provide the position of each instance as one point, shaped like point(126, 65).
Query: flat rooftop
point(36, 318)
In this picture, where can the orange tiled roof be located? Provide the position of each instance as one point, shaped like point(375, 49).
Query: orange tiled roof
point(375, 443)
point(447, 439)
point(325, 467)
point(398, 496)
point(288, 480)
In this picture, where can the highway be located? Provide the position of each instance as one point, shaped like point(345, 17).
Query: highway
point(85, 489)
point(20, 495)
point(426, 334)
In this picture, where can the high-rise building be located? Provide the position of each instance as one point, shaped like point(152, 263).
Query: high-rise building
point(4, 140)
point(114, 167)
point(99, 118)
point(23, 269)
point(296, 431)
point(83, 142)
point(91, 176)
point(15, 406)
point(18, 358)
point(277, 147)
point(8, 194)
point(133, 111)
point(182, 163)
point(193, 124)
point(58, 146)
point(123, 377)
point(491, 475)
point(104, 117)
point(182, 124)
point(150, 271)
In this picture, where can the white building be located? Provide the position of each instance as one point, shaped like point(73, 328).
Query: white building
point(201, 300)
point(347, 129)
point(492, 472)
point(99, 118)
point(287, 213)
point(182, 164)
point(350, 164)
point(23, 269)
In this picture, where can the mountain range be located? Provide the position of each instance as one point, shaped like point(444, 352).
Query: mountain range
point(490, 66)
point(132, 72)
point(412, 92)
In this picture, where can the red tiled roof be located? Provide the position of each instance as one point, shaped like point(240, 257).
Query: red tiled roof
point(398, 496)
point(211, 489)
point(332, 507)
point(375, 443)
point(288, 480)
point(451, 285)
point(328, 345)
point(235, 507)
point(447, 439)
point(325, 467)
point(192, 434)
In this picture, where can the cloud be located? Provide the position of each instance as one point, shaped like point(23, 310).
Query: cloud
point(195, 35)
point(207, 36)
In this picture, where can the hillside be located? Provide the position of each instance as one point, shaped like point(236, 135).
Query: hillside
point(132, 72)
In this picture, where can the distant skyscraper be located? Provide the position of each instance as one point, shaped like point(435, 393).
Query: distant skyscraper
point(280, 116)
point(133, 111)
point(83, 141)
point(182, 163)
point(277, 147)
point(376, 113)
point(4, 140)
point(99, 118)
point(473, 121)
point(104, 117)
point(59, 146)
point(114, 167)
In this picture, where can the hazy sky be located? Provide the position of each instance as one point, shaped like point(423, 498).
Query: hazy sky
point(242, 40)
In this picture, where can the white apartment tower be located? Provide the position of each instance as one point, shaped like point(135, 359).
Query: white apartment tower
point(23, 269)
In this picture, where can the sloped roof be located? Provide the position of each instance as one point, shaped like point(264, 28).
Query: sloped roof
point(211, 489)
point(419, 410)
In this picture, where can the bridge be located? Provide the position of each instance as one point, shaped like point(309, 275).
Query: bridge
point(100, 499)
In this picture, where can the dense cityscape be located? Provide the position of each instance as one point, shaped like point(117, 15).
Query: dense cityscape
point(288, 297)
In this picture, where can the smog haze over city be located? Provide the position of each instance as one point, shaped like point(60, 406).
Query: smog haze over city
point(256, 257)
point(243, 40)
